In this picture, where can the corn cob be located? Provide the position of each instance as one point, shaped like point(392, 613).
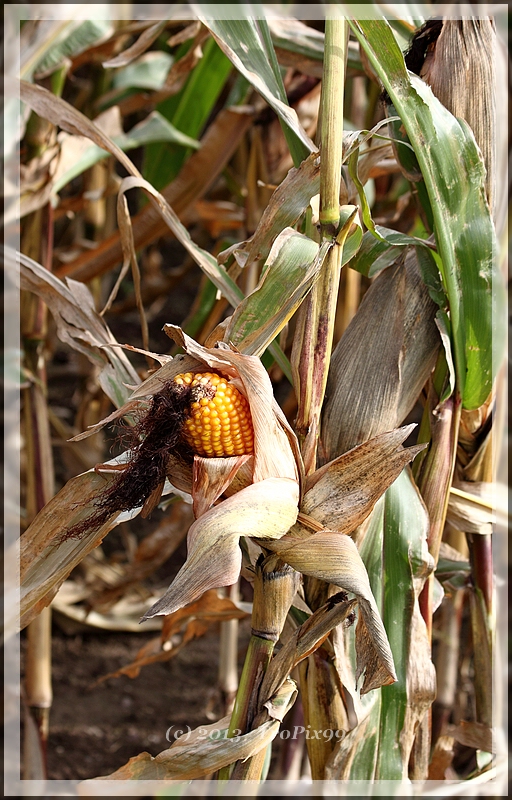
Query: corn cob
point(219, 418)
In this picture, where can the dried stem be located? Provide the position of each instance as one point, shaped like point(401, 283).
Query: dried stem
point(316, 319)
point(40, 489)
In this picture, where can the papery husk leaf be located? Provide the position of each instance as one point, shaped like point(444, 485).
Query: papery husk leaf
point(78, 324)
point(276, 450)
point(264, 509)
point(382, 361)
point(341, 494)
point(190, 757)
point(470, 507)
point(334, 558)
point(211, 477)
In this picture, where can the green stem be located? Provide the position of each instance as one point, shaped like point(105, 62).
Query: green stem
point(331, 124)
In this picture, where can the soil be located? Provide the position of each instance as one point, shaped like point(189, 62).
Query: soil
point(95, 728)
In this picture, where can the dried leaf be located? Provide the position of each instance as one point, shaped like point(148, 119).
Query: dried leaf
point(207, 262)
point(78, 324)
point(474, 734)
point(194, 758)
point(333, 557)
point(341, 494)
point(264, 509)
point(46, 556)
point(56, 110)
point(304, 641)
point(198, 174)
point(471, 507)
point(382, 361)
point(144, 41)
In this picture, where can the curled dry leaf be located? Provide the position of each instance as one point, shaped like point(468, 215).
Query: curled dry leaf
point(341, 494)
point(78, 324)
point(267, 509)
point(189, 758)
point(144, 41)
point(184, 625)
point(333, 557)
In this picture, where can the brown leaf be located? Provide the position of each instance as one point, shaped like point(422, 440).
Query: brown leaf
point(209, 607)
point(382, 361)
point(333, 557)
point(304, 641)
point(46, 556)
point(144, 41)
point(474, 734)
point(196, 757)
point(341, 494)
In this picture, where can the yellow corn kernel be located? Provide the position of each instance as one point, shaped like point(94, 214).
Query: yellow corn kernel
point(219, 420)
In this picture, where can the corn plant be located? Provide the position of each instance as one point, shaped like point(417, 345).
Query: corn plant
point(367, 283)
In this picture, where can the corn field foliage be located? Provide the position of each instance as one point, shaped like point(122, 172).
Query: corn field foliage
point(316, 208)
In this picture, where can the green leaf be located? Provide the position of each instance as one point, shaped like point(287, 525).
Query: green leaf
point(188, 112)
point(74, 39)
point(248, 44)
point(147, 72)
point(453, 172)
point(395, 554)
point(444, 327)
point(290, 270)
point(375, 254)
